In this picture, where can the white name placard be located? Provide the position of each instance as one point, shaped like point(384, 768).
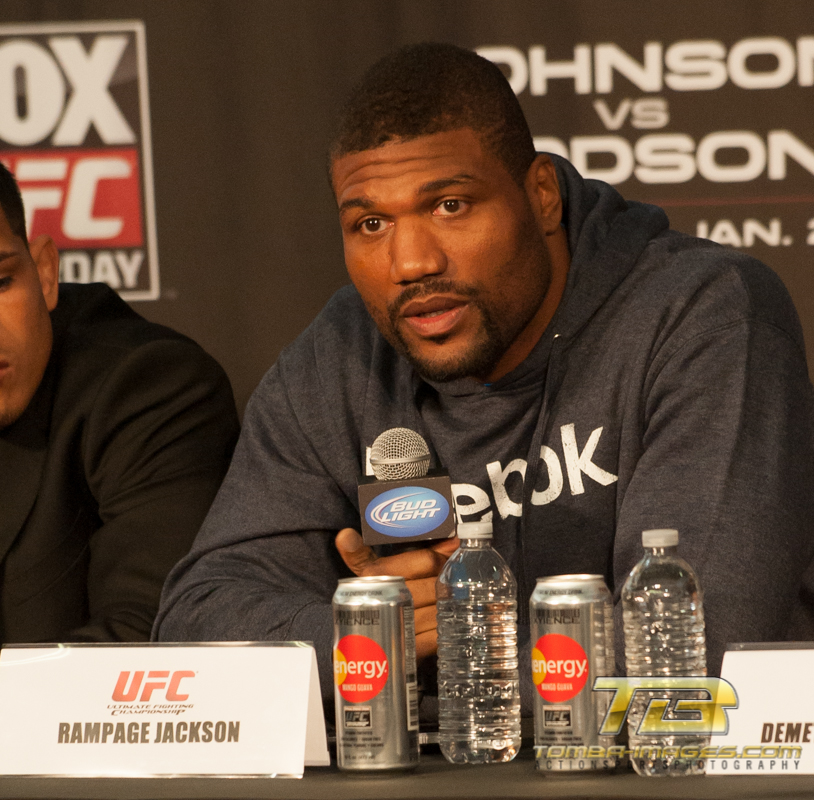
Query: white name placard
point(772, 730)
point(135, 710)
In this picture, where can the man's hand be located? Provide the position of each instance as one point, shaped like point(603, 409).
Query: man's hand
point(419, 568)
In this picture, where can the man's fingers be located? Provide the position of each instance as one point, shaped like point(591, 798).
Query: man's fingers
point(419, 567)
point(426, 644)
point(425, 619)
point(423, 592)
point(446, 547)
point(438, 552)
point(357, 555)
point(424, 562)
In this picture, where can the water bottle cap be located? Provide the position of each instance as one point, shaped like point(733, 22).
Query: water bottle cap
point(475, 530)
point(660, 537)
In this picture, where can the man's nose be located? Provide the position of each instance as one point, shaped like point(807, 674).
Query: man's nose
point(415, 252)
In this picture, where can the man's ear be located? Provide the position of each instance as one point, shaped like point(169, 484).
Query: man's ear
point(543, 191)
point(46, 258)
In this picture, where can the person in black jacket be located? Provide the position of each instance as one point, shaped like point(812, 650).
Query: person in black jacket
point(115, 434)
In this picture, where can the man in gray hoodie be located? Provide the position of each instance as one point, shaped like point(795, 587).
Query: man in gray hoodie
point(583, 372)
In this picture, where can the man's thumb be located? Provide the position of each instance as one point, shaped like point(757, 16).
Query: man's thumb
point(354, 552)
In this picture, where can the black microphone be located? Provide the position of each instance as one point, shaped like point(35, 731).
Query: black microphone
point(405, 501)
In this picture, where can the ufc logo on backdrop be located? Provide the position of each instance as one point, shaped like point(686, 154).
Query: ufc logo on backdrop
point(74, 130)
point(129, 684)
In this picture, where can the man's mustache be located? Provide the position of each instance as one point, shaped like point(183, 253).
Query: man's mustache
point(426, 289)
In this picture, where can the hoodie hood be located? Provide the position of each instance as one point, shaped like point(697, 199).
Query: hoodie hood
point(606, 236)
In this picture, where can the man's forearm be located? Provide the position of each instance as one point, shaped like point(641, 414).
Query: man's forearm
point(232, 611)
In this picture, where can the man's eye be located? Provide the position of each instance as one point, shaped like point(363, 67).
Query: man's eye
point(372, 225)
point(450, 207)
point(5, 282)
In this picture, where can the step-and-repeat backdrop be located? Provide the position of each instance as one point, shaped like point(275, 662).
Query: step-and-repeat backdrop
point(176, 150)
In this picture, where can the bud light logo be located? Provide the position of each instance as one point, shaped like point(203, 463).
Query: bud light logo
point(407, 511)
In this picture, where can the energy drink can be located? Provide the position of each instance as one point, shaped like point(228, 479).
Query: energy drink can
point(375, 674)
point(572, 645)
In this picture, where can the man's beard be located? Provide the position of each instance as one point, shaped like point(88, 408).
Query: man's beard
point(476, 362)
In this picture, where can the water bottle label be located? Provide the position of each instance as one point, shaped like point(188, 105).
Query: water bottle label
point(559, 667)
point(360, 668)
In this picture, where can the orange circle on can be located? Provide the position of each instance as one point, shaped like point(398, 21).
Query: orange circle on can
point(360, 668)
point(559, 667)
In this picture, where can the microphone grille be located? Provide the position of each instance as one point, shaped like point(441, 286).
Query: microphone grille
point(399, 454)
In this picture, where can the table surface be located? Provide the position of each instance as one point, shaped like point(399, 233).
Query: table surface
point(433, 778)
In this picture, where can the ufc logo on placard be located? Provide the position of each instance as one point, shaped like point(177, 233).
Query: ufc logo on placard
point(127, 688)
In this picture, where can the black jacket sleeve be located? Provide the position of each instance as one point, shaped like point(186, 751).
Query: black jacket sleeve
point(155, 447)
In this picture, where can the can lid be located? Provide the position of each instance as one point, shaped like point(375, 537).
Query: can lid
point(474, 530)
point(582, 577)
point(660, 537)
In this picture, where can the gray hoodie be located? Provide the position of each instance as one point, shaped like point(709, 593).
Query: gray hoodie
point(669, 391)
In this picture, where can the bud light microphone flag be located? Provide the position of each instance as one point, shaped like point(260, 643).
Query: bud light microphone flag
point(404, 502)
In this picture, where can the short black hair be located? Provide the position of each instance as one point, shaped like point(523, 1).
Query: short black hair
point(12, 203)
point(432, 87)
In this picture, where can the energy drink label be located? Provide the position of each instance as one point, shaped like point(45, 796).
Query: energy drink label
point(375, 674)
point(572, 645)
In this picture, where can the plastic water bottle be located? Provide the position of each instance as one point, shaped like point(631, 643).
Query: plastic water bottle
point(478, 681)
point(664, 635)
